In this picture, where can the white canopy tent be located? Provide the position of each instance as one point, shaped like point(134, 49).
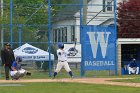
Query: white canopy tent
point(31, 53)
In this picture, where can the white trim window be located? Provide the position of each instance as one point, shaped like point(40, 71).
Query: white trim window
point(55, 35)
point(72, 33)
point(60, 34)
point(108, 5)
point(65, 34)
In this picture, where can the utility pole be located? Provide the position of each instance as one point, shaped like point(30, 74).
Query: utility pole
point(83, 21)
point(84, 12)
point(11, 23)
point(2, 28)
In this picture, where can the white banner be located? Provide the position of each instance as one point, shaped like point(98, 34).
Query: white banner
point(74, 52)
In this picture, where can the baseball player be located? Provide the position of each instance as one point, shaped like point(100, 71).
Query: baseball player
point(16, 70)
point(133, 67)
point(62, 60)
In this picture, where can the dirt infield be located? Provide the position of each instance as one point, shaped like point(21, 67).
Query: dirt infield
point(79, 80)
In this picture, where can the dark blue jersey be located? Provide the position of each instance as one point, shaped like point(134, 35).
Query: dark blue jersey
point(133, 64)
point(16, 66)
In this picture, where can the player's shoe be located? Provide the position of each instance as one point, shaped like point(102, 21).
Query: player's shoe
point(72, 77)
point(53, 77)
point(15, 78)
point(7, 79)
point(28, 74)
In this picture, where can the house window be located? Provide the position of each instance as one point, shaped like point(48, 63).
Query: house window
point(55, 35)
point(72, 33)
point(59, 35)
point(107, 5)
point(62, 34)
point(65, 34)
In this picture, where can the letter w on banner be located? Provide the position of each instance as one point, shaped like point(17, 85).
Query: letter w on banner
point(99, 47)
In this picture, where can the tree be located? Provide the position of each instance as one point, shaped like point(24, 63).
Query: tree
point(35, 8)
point(129, 19)
point(22, 11)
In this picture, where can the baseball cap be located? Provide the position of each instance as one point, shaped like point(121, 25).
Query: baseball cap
point(134, 59)
point(7, 44)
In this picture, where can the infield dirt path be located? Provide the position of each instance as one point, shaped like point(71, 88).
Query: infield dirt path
point(79, 80)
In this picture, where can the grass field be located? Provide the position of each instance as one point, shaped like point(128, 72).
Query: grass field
point(136, 79)
point(63, 74)
point(76, 72)
point(64, 87)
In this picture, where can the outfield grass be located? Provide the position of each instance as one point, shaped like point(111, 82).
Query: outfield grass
point(64, 87)
point(91, 74)
point(135, 79)
point(63, 74)
point(76, 72)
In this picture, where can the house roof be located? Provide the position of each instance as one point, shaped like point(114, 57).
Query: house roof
point(109, 21)
point(128, 41)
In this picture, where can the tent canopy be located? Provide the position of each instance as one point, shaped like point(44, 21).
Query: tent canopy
point(31, 53)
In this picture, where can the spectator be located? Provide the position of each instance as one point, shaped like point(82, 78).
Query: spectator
point(133, 67)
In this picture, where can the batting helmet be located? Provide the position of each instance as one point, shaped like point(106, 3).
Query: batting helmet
point(19, 59)
point(60, 45)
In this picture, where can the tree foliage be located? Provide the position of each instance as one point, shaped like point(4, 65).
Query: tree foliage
point(30, 15)
point(31, 11)
point(129, 19)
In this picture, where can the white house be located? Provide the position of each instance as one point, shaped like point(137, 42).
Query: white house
point(66, 25)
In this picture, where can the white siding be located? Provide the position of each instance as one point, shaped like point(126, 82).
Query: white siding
point(92, 11)
point(94, 7)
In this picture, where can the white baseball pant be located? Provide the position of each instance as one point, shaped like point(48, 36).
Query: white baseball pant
point(62, 64)
point(133, 71)
point(18, 74)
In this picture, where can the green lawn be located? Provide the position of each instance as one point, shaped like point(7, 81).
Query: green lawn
point(36, 74)
point(135, 79)
point(64, 87)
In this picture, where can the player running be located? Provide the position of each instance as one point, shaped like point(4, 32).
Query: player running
point(62, 60)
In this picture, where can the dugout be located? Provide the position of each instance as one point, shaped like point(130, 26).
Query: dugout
point(128, 48)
